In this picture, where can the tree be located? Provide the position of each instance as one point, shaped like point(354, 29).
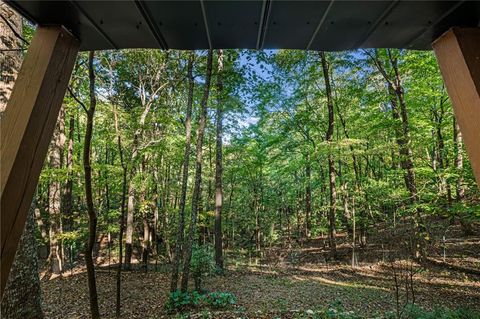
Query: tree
point(11, 58)
point(196, 198)
point(402, 132)
point(331, 164)
point(186, 160)
point(22, 295)
point(219, 167)
point(55, 257)
point(92, 215)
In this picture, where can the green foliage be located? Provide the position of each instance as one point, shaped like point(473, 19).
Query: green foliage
point(182, 301)
point(336, 311)
point(219, 299)
point(416, 312)
point(202, 262)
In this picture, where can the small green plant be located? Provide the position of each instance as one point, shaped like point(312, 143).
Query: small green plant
point(182, 301)
point(415, 312)
point(218, 299)
point(201, 264)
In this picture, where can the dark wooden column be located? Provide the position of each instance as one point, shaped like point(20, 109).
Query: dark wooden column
point(458, 55)
point(26, 129)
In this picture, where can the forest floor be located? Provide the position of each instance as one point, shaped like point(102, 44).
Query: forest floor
point(285, 283)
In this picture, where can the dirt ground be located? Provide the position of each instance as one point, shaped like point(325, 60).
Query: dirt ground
point(290, 280)
point(367, 290)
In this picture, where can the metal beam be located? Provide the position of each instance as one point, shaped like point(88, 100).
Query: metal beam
point(95, 25)
point(263, 23)
point(157, 34)
point(410, 42)
point(320, 24)
point(205, 21)
point(377, 22)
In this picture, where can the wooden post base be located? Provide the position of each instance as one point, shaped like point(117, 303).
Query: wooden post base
point(458, 55)
point(26, 129)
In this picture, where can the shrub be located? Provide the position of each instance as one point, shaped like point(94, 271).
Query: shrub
point(201, 264)
point(181, 301)
point(219, 299)
point(415, 312)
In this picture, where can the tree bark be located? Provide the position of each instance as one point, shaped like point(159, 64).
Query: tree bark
point(186, 162)
point(22, 295)
point(403, 139)
point(308, 196)
point(406, 161)
point(68, 195)
point(458, 144)
point(198, 176)
point(467, 227)
point(122, 215)
point(92, 215)
point(10, 60)
point(146, 225)
point(219, 167)
point(55, 257)
point(331, 163)
point(129, 231)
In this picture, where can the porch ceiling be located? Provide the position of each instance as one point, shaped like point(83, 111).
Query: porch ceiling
point(326, 25)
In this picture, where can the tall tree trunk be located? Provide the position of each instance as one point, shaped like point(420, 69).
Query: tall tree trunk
point(92, 215)
point(147, 101)
point(308, 196)
point(146, 225)
point(145, 241)
point(196, 198)
point(11, 59)
point(257, 227)
point(403, 139)
point(167, 203)
point(122, 215)
point(441, 158)
point(129, 232)
point(460, 188)
point(331, 163)
point(68, 195)
point(406, 161)
point(22, 296)
point(219, 167)
point(458, 144)
point(55, 257)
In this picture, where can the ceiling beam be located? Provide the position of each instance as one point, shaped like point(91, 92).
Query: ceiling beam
point(205, 21)
point(410, 42)
point(94, 24)
point(157, 34)
point(263, 23)
point(320, 24)
point(377, 22)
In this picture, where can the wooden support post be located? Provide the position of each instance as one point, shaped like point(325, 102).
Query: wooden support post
point(26, 129)
point(458, 55)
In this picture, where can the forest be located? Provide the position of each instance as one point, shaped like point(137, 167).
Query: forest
point(248, 184)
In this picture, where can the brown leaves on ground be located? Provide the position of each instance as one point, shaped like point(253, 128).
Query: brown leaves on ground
point(264, 290)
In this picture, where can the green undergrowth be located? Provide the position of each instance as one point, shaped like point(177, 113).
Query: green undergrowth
point(334, 311)
point(337, 311)
point(185, 301)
